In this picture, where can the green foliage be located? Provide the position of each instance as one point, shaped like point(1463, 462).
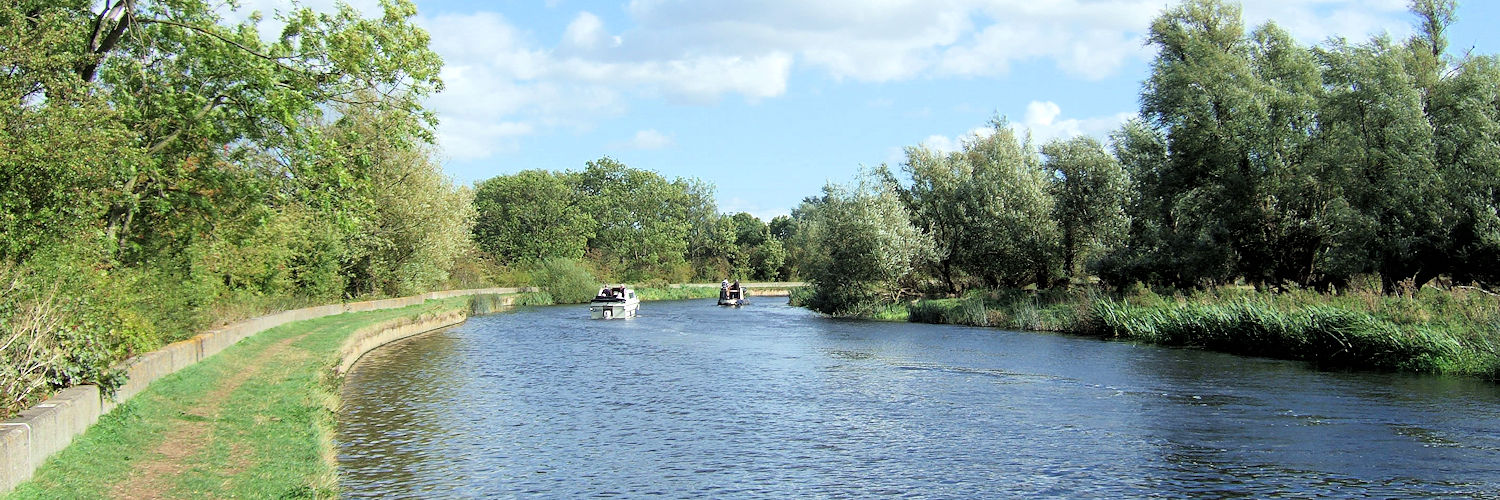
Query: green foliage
point(986, 208)
point(1430, 331)
point(1282, 165)
point(50, 341)
point(863, 247)
point(566, 281)
point(417, 221)
point(632, 225)
point(490, 304)
point(642, 218)
point(677, 293)
point(1091, 190)
point(530, 216)
point(164, 168)
point(768, 261)
point(535, 299)
point(1324, 335)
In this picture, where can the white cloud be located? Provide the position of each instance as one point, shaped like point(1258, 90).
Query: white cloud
point(648, 139)
point(891, 40)
point(1042, 122)
point(480, 138)
point(498, 72)
point(941, 143)
point(1312, 21)
point(584, 32)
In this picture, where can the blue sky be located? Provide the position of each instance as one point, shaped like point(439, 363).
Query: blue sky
point(770, 99)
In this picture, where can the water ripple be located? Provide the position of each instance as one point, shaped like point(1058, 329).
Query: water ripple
point(691, 400)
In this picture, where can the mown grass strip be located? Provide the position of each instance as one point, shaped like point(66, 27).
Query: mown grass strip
point(270, 436)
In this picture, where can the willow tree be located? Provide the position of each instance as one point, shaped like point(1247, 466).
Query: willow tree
point(1091, 190)
point(1201, 92)
point(862, 247)
point(986, 208)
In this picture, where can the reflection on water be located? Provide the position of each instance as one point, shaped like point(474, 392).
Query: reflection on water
point(772, 401)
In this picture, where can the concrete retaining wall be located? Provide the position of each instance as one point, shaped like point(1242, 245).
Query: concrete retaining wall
point(371, 337)
point(38, 432)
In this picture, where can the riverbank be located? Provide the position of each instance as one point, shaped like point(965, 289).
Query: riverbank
point(1450, 332)
point(256, 420)
point(679, 292)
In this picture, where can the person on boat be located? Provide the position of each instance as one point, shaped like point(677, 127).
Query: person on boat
point(724, 285)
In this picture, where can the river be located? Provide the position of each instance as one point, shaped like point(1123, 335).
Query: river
point(694, 400)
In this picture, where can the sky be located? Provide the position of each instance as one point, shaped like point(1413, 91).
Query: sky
point(769, 100)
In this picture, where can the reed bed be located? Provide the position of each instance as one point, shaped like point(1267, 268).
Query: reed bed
point(1430, 330)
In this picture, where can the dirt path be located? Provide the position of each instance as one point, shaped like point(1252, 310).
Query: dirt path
point(155, 475)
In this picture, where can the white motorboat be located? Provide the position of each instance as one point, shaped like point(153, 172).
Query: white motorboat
point(614, 302)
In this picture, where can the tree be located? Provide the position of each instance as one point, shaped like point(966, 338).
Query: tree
point(1466, 130)
point(530, 216)
point(749, 230)
point(1091, 190)
point(710, 246)
point(1202, 93)
point(1145, 255)
point(1376, 145)
point(642, 218)
point(768, 261)
point(986, 208)
point(200, 94)
point(418, 221)
point(863, 246)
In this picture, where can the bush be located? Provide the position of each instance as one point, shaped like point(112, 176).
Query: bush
point(47, 343)
point(567, 281)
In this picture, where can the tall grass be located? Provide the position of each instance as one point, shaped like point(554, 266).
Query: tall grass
point(1428, 330)
point(566, 281)
point(1017, 309)
point(1325, 335)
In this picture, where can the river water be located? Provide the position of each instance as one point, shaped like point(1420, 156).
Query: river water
point(693, 400)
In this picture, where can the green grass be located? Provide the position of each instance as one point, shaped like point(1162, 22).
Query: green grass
point(272, 436)
point(1330, 332)
point(679, 293)
point(1431, 331)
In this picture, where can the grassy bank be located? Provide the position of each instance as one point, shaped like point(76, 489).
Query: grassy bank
point(1454, 332)
point(679, 293)
point(256, 420)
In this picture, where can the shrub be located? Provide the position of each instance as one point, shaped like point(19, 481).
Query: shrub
point(47, 343)
point(567, 281)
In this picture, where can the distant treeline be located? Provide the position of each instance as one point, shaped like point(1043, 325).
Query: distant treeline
point(629, 225)
point(1255, 159)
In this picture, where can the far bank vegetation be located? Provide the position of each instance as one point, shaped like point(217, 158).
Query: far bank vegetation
point(1334, 203)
